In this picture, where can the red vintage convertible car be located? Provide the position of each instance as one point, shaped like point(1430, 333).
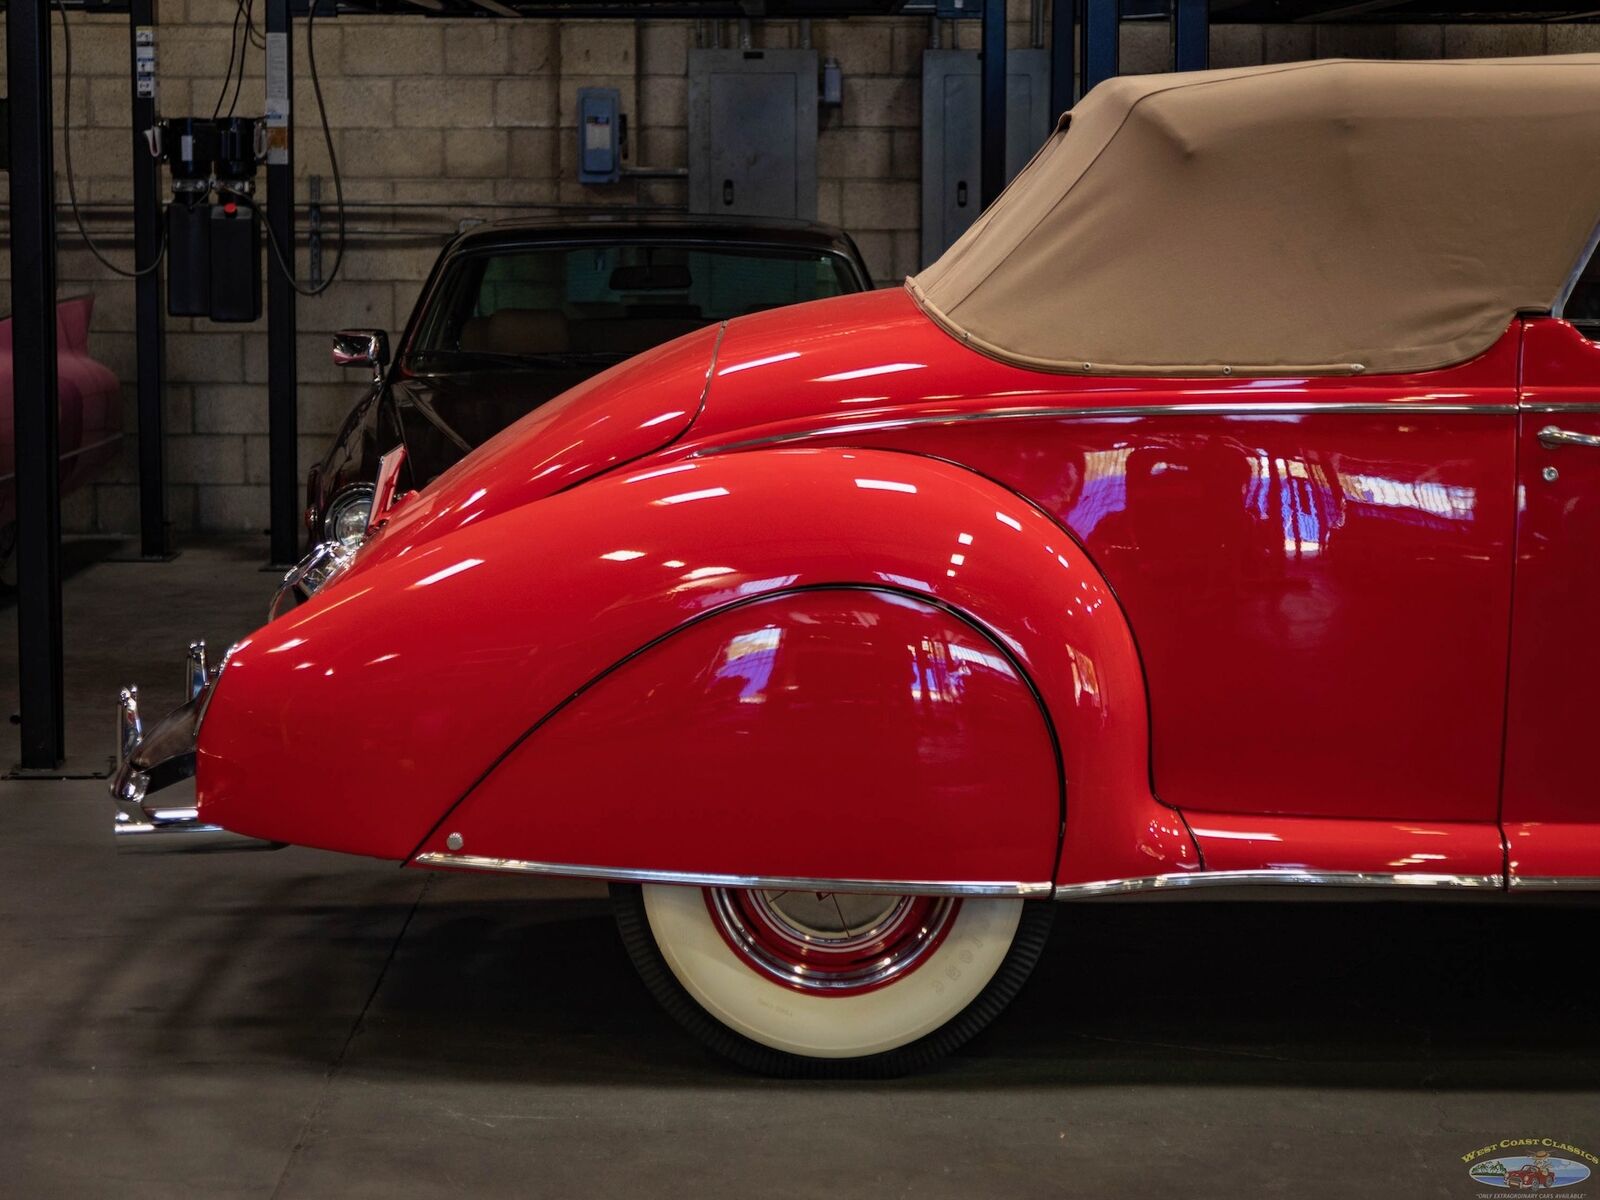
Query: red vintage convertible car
point(1223, 510)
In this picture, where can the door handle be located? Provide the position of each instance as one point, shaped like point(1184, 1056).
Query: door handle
point(1550, 437)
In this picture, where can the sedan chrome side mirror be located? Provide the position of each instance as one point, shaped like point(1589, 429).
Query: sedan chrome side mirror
point(362, 348)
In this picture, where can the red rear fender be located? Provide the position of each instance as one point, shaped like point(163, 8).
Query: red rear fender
point(358, 720)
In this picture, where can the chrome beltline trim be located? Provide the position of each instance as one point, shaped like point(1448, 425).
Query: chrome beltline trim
point(1580, 407)
point(898, 887)
point(1575, 883)
point(1265, 409)
point(1199, 879)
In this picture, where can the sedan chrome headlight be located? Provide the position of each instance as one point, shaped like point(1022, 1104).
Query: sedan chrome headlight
point(348, 515)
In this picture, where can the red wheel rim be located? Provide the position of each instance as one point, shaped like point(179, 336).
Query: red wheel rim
point(831, 943)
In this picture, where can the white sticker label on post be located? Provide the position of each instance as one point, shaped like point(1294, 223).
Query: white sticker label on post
point(277, 108)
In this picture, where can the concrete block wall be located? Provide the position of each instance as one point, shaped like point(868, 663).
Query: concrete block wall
point(434, 115)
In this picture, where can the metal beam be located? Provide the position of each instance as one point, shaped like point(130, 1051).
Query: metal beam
point(283, 470)
point(1191, 35)
point(150, 334)
point(993, 102)
point(1098, 38)
point(1063, 57)
point(37, 415)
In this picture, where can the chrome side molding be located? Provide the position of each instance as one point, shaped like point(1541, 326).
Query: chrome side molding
point(1550, 883)
point(896, 887)
point(1186, 881)
point(1172, 884)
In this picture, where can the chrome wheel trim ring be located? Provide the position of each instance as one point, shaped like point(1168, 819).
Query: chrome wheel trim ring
point(898, 935)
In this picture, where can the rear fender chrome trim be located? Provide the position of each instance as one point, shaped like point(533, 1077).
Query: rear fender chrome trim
point(1408, 880)
point(897, 887)
point(1394, 408)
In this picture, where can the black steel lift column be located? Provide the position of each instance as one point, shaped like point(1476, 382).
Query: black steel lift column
point(150, 335)
point(33, 360)
point(283, 472)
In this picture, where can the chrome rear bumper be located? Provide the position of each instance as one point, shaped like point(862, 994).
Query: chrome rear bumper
point(149, 762)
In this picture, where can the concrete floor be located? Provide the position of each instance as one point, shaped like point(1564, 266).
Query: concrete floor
point(301, 1024)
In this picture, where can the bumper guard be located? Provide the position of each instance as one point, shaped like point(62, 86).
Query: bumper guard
point(149, 762)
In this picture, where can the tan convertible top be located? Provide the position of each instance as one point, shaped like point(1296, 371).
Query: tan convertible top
point(1310, 218)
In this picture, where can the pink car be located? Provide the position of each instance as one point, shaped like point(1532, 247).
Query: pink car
point(91, 411)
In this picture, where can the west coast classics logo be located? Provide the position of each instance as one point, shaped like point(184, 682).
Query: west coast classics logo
point(1530, 1164)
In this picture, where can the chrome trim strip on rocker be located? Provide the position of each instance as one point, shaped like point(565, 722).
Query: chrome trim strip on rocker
point(1200, 879)
point(1265, 409)
point(900, 887)
point(1545, 883)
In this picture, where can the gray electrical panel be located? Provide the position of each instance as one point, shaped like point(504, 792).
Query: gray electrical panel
point(952, 109)
point(753, 133)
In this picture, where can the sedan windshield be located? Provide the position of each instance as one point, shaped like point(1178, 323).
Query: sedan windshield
point(557, 306)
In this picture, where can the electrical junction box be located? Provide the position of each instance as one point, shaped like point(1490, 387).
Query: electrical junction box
point(599, 135)
point(753, 133)
point(952, 135)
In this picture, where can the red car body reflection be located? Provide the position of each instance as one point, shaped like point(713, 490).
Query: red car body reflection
point(827, 568)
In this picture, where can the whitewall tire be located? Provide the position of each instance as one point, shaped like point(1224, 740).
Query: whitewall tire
point(809, 983)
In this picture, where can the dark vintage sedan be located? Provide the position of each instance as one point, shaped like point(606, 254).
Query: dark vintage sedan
point(515, 313)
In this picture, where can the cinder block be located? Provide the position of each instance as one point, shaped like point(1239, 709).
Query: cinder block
point(444, 103)
point(1572, 38)
point(386, 262)
point(535, 193)
point(366, 102)
point(476, 153)
point(862, 46)
point(205, 458)
point(908, 43)
point(477, 47)
point(526, 102)
point(1493, 41)
point(1419, 41)
point(907, 248)
point(1237, 46)
point(1355, 41)
point(829, 200)
point(322, 408)
point(597, 47)
point(854, 154)
point(905, 157)
point(177, 408)
point(880, 102)
point(875, 204)
point(381, 48)
point(1289, 43)
point(877, 249)
point(534, 154)
point(663, 100)
point(233, 509)
point(205, 357)
point(347, 305)
point(230, 408)
point(78, 511)
point(390, 152)
point(1144, 47)
point(664, 148)
point(534, 47)
point(664, 47)
point(664, 191)
point(258, 457)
